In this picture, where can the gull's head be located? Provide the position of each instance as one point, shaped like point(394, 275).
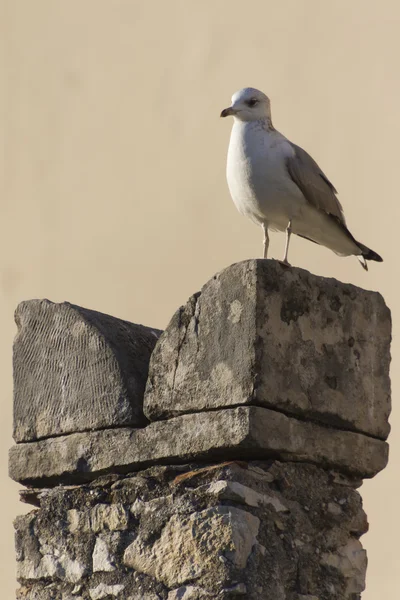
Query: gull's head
point(249, 104)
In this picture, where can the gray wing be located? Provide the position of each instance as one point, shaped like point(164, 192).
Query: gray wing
point(314, 184)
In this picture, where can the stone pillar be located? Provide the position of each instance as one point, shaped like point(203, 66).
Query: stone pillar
point(233, 473)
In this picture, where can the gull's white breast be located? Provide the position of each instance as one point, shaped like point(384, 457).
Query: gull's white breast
point(257, 176)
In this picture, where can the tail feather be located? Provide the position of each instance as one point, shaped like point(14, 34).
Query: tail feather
point(366, 253)
point(363, 262)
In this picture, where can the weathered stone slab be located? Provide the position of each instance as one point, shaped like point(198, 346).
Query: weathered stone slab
point(246, 431)
point(260, 333)
point(77, 369)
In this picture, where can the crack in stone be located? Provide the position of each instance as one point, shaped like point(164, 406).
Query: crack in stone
point(197, 319)
point(194, 302)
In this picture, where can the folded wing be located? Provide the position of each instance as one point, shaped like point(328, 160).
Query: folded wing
point(314, 184)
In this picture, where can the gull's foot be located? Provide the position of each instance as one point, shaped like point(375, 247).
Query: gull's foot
point(284, 263)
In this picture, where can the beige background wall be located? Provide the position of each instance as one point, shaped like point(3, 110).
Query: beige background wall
point(114, 193)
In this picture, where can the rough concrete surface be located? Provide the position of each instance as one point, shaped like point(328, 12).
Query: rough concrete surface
point(257, 530)
point(246, 431)
point(77, 369)
point(259, 333)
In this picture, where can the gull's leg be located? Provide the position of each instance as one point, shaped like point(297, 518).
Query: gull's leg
point(288, 234)
point(266, 239)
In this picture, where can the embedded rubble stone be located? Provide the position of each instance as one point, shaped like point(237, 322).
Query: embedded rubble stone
point(351, 562)
point(187, 536)
point(243, 432)
point(206, 540)
point(231, 490)
point(189, 592)
point(77, 369)
point(102, 516)
point(105, 591)
point(260, 333)
point(104, 552)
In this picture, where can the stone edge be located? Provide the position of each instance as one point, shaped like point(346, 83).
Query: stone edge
point(237, 433)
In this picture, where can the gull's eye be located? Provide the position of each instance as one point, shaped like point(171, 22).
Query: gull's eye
point(252, 102)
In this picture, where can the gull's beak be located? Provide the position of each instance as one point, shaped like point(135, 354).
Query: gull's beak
point(227, 112)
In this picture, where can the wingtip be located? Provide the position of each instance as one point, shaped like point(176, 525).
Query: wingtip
point(369, 254)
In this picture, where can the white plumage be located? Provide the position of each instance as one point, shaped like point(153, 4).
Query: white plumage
point(279, 186)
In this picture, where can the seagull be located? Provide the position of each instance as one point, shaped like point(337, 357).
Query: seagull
point(279, 186)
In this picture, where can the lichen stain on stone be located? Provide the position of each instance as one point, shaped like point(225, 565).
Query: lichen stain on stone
point(335, 303)
point(235, 311)
point(222, 374)
point(295, 305)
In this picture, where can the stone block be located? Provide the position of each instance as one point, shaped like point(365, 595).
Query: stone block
point(202, 537)
point(259, 333)
point(246, 431)
point(105, 550)
point(231, 490)
point(77, 369)
point(104, 591)
point(103, 517)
